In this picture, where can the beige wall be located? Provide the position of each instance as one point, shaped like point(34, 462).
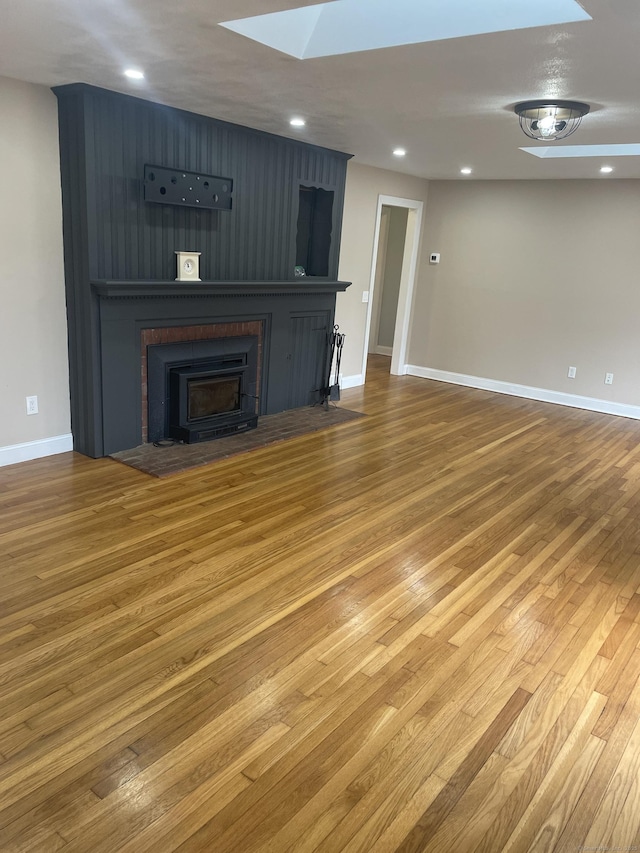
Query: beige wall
point(33, 331)
point(381, 258)
point(534, 276)
point(396, 237)
point(364, 185)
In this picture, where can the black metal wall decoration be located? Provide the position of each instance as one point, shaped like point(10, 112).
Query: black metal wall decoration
point(187, 189)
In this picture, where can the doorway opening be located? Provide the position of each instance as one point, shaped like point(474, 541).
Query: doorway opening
point(393, 273)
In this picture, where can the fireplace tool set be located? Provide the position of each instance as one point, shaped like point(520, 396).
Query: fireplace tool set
point(331, 391)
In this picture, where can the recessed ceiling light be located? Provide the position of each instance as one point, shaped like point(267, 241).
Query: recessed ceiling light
point(606, 169)
point(297, 122)
point(134, 74)
point(466, 171)
point(399, 152)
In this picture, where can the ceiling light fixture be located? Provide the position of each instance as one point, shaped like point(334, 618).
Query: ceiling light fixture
point(466, 171)
point(134, 74)
point(399, 152)
point(297, 122)
point(606, 169)
point(550, 120)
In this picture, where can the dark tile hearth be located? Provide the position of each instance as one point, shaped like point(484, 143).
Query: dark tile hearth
point(165, 461)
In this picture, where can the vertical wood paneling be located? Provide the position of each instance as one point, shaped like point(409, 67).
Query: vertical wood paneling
point(308, 344)
point(137, 240)
point(111, 233)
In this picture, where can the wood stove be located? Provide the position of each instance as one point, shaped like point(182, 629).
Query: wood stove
point(202, 389)
point(208, 399)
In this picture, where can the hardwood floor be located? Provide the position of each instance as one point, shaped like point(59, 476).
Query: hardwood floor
point(419, 631)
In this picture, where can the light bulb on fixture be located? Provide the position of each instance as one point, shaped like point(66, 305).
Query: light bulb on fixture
point(550, 120)
point(399, 152)
point(134, 74)
point(606, 170)
point(297, 122)
point(547, 126)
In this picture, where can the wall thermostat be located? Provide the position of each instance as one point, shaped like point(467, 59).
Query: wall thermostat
point(434, 258)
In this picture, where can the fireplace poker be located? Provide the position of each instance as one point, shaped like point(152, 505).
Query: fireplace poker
point(338, 343)
point(331, 346)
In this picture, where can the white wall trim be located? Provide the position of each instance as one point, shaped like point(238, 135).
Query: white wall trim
point(35, 449)
point(380, 350)
point(591, 404)
point(351, 381)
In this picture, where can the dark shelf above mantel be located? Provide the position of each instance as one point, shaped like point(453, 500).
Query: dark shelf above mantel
point(155, 289)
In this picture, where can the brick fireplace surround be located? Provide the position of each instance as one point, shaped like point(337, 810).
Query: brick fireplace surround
point(183, 334)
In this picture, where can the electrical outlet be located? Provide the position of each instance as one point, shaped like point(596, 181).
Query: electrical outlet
point(572, 373)
point(365, 295)
point(32, 405)
point(608, 379)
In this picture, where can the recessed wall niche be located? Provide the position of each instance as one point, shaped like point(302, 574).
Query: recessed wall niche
point(313, 239)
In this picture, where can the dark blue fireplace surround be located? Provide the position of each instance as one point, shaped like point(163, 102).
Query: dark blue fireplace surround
point(120, 253)
point(296, 320)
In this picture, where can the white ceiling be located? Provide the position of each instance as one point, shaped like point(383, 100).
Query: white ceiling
point(447, 102)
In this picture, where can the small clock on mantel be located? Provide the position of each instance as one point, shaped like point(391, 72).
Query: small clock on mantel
point(188, 266)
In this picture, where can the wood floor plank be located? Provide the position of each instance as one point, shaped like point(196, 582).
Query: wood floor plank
point(416, 631)
point(543, 823)
point(206, 779)
point(579, 823)
point(560, 788)
point(446, 800)
point(609, 812)
point(505, 811)
point(507, 783)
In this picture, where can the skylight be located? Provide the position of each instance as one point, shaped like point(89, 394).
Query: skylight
point(550, 152)
point(348, 26)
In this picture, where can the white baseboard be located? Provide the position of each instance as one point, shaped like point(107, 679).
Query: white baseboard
point(592, 404)
point(380, 350)
point(35, 449)
point(351, 381)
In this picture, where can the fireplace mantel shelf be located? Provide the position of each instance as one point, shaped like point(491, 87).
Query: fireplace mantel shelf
point(155, 289)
